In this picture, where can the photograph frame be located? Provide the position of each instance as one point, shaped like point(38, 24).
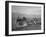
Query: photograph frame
point(7, 17)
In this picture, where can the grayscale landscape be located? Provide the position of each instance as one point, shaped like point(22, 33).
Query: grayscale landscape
point(26, 18)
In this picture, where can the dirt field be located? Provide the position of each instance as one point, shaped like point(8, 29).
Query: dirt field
point(32, 26)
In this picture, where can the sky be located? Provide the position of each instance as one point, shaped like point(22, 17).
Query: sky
point(27, 10)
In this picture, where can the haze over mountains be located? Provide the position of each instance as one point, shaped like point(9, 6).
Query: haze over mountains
point(27, 11)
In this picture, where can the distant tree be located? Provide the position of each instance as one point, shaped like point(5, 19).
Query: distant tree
point(18, 19)
point(24, 18)
point(35, 19)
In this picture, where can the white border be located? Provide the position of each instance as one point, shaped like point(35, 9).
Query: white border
point(29, 31)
